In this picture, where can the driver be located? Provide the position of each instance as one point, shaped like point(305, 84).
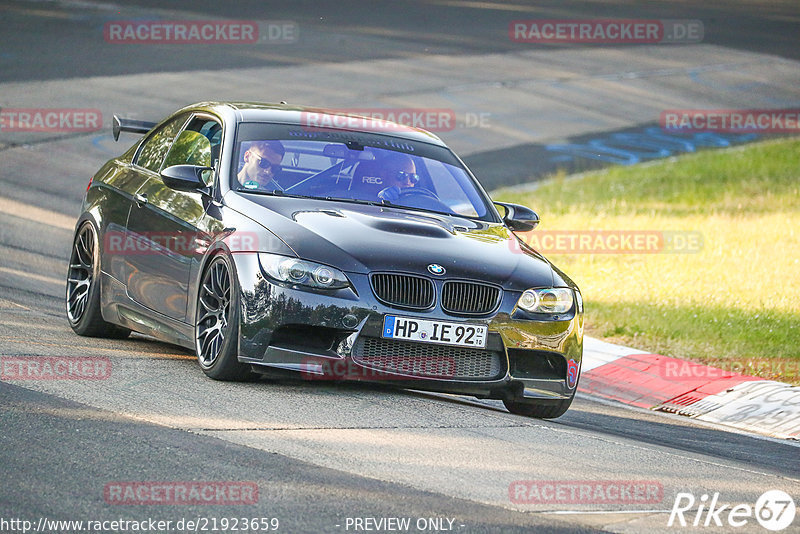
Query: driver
point(399, 172)
point(262, 162)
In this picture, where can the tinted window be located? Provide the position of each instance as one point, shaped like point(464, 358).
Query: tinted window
point(189, 148)
point(212, 130)
point(156, 146)
point(194, 153)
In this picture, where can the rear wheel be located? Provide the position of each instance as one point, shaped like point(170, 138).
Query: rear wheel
point(83, 288)
point(540, 409)
point(217, 323)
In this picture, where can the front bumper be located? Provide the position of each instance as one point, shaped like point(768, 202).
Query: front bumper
point(337, 335)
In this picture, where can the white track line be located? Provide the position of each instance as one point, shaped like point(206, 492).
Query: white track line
point(36, 214)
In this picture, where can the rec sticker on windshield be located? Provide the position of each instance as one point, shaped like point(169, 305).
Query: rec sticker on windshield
point(444, 333)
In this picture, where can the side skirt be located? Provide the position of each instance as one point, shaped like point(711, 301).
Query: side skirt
point(118, 308)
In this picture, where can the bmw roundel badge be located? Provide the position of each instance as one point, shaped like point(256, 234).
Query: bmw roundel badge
point(436, 269)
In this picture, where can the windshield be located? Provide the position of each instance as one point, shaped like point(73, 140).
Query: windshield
point(355, 167)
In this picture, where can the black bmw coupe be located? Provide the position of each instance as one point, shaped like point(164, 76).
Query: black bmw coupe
point(277, 239)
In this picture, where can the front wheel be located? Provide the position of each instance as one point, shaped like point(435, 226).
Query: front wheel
point(83, 288)
point(217, 323)
point(541, 409)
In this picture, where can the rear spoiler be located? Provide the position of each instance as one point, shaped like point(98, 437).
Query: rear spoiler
point(129, 125)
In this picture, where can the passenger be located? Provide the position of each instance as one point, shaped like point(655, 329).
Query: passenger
point(398, 172)
point(262, 163)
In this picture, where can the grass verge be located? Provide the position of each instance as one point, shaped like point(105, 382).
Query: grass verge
point(735, 302)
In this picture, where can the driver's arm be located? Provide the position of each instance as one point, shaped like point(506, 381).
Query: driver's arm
point(389, 194)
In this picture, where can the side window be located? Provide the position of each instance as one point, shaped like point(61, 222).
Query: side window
point(211, 130)
point(155, 147)
point(199, 147)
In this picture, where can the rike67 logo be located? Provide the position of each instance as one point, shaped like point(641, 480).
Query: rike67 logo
point(774, 510)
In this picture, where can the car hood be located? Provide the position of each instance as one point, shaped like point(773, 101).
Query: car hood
point(365, 238)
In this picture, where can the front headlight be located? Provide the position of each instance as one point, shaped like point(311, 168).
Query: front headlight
point(302, 272)
point(550, 300)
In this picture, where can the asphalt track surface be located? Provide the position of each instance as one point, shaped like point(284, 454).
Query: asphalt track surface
point(322, 453)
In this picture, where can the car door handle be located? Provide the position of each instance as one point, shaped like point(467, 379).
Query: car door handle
point(141, 200)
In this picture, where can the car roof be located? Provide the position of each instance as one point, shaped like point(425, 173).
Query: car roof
point(299, 115)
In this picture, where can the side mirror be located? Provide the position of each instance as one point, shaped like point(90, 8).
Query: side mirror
point(186, 178)
point(519, 218)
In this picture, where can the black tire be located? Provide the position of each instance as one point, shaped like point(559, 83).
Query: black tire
point(83, 288)
point(543, 409)
point(216, 325)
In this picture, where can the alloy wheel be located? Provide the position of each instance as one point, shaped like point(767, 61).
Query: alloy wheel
point(213, 314)
point(81, 273)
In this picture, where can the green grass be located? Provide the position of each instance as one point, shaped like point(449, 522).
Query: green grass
point(736, 302)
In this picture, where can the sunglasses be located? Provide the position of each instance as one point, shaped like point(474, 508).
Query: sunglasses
point(403, 176)
point(265, 164)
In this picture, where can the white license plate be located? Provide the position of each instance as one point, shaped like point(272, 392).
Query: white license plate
point(459, 334)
